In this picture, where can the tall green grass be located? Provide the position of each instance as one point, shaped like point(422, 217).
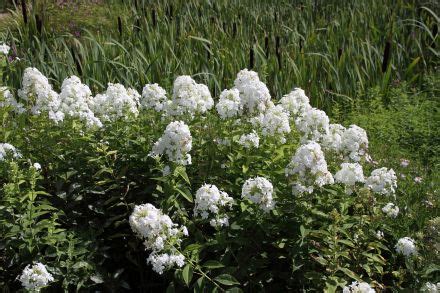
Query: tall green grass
point(332, 49)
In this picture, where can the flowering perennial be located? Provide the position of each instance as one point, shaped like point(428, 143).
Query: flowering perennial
point(154, 97)
point(354, 143)
point(254, 94)
point(296, 103)
point(313, 125)
point(176, 142)
point(349, 174)
point(9, 101)
point(357, 287)
point(251, 140)
point(259, 190)
point(6, 150)
point(210, 202)
point(382, 181)
point(274, 122)
point(4, 49)
point(35, 277)
point(309, 168)
point(391, 210)
point(229, 104)
point(406, 246)
point(333, 140)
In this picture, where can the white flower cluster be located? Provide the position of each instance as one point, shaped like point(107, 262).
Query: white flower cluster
point(382, 181)
point(6, 150)
point(160, 235)
point(176, 142)
point(357, 287)
point(309, 167)
point(296, 103)
point(313, 125)
point(116, 102)
point(274, 122)
point(406, 246)
point(154, 97)
point(349, 174)
point(259, 190)
point(189, 97)
point(229, 104)
point(9, 101)
point(211, 200)
point(391, 210)
point(75, 98)
point(38, 93)
point(34, 278)
point(333, 140)
point(251, 140)
point(4, 49)
point(431, 287)
point(354, 143)
point(254, 94)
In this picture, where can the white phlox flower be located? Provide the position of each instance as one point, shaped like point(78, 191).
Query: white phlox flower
point(212, 203)
point(250, 140)
point(229, 104)
point(391, 210)
point(254, 94)
point(35, 277)
point(354, 143)
point(382, 181)
point(406, 246)
point(154, 97)
point(358, 287)
point(296, 103)
point(259, 190)
point(313, 125)
point(349, 174)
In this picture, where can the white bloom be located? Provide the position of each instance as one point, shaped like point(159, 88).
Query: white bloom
point(10, 101)
point(313, 125)
point(37, 166)
point(222, 141)
point(309, 167)
point(75, 98)
point(296, 102)
point(379, 234)
point(35, 277)
point(431, 287)
point(165, 261)
point(250, 140)
point(357, 287)
point(349, 174)
point(254, 94)
point(212, 201)
point(382, 181)
point(404, 163)
point(116, 102)
point(274, 122)
point(406, 246)
point(229, 104)
point(418, 179)
point(391, 210)
point(259, 190)
point(333, 140)
point(354, 144)
point(38, 93)
point(166, 170)
point(4, 49)
point(176, 142)
point(154, 97)
point(189, 97)
point(6, 150)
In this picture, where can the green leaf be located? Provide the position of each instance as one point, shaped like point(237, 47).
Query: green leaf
point(186, 195)
point(213, 264)
point(180, 171)
point(227, 280)
point(187, 274)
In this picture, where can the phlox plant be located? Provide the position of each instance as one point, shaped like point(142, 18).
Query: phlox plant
point(154, 191)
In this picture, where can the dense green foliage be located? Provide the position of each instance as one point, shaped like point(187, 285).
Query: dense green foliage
point(73, 214)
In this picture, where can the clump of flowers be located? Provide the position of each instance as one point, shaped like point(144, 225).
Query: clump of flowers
point(259, 190)
point(75, 98)
point(354, 143)
point(349, 174)
point(4, 49)
point(8, 150)
point(154, 97)
point(313, 125)
point(9, 101)
point(406, 246)
point(404, 163)
point(229, 104)
point(161, 236)
point(382, 181)
point(35, 277)
point(116, 102)
point(358, 287)
point(431, 287)
point(333, 140)
point(296, 103)
point(189, 97)
point(211, 203)
point(250, 140)
point(274, 122)
point(37, 92)
point(254, 94)
point(176, 143)
point(391, 210)
point(309, 168)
